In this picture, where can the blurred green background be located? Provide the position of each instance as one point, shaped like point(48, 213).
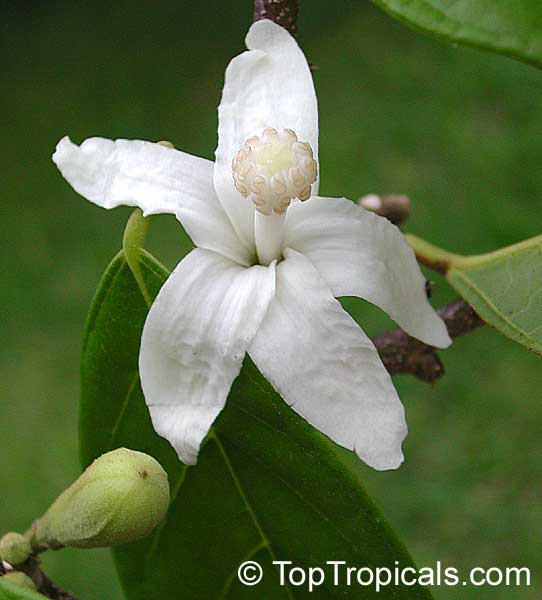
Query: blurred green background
point(456, 129)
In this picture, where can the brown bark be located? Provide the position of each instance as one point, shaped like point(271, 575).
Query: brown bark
point(282, 12)
point(401, 353)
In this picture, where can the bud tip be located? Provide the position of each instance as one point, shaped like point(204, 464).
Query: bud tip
point(121, 497)
point(15, 548)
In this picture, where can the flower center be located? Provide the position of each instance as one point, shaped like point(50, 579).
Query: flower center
point(273, 169)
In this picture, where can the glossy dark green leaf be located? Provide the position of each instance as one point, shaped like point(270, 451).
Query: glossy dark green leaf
point(511, 27)
point(505, 289)
point(10, 591)
point(267, 486)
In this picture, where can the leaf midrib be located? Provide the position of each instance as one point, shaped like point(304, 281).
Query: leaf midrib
point(265, 541)
point(293, 490)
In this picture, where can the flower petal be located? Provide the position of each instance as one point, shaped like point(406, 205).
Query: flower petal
point(270, 85)
point(155, 178)
point(194, 341)
point(326, 368)
point(361, 254)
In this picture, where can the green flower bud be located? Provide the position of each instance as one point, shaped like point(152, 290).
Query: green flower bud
point(19, 578)
point(15, 548)
point(121, 497)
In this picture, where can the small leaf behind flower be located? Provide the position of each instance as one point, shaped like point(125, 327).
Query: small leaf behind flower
point(505, 289)
point(512, 27)
point(267, 486)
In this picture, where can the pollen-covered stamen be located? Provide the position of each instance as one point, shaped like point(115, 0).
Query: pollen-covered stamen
point(273, 169)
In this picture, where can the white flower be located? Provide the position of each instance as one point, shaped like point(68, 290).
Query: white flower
point(264, 276)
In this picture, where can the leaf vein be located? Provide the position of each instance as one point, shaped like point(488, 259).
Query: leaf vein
point(123, 407)
point(492, 306)
point(265, 540)
point(229, 581)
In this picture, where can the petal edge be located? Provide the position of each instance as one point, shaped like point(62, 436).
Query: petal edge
point(157, 179)
point(361, 254)
point(326, 368)
point(194, 341)
point(269, 85)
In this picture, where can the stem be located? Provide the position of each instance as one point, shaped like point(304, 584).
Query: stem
point(442, 261)
point(432, 256)
point(282, 12)
point(132, 242)
point(51, 590)
point(401, 353)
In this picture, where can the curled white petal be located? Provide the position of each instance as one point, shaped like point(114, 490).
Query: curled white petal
point(269, 86)
point(326, 368)
point(194, 341)
point(361, 254)
point(157, 180)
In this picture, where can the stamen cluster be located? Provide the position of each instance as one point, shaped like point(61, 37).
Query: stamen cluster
point(273, 169)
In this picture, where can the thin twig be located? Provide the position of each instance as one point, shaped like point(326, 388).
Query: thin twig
point(401, 353)
point(51, 590)
point(282, 12)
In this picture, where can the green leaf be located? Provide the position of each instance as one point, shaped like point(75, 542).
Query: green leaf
point(10, 591)
point(267, 485)
point(505, 289)
point(511, 27)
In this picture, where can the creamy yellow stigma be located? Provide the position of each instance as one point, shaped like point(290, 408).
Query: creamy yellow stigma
point(273, 169)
